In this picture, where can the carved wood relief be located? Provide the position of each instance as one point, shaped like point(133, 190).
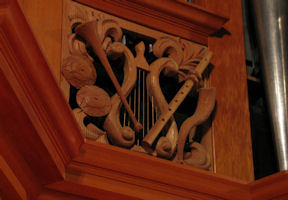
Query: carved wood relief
point(134, 87)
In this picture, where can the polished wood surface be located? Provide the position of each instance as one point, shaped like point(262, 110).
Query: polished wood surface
point(9, 181)
point(231, 123)
point(16, 176)
point(54, 195)
point(28, 103)
point(271, 187)
point(148, 175)
point(175, 17)
point(45, 19)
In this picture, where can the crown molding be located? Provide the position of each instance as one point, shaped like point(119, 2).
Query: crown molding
point(175, 17)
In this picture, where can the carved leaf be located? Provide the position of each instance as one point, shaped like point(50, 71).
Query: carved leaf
point(191, 55)
point(169, 46)
point(77, 15)
point(108, 28)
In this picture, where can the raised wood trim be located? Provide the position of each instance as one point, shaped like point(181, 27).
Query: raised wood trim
point(32, 81)
point(175, 17)
point(43, 147)
point(271, 187)
point(14, 189)
point(32, 106)
point(153, 176)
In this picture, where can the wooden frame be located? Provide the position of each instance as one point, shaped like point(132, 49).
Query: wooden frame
point(42, 156)
point(230, 132)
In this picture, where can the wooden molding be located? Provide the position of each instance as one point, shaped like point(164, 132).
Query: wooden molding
point(271, 187)
point(41, 113)
point(154, 177)
point(30, 78)
point(175, 17)
point(14, 189)
point(45, 156)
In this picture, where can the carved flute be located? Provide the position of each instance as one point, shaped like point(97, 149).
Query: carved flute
point(88, 32)
point(174, 104)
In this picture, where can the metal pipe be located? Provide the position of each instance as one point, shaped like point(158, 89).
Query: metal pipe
point(271, 27)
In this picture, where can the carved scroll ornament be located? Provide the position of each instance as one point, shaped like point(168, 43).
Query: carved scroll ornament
point(174, 58)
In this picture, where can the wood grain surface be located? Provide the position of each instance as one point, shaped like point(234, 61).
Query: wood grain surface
point(45, 19)
point(21, 64)
point(16, 177)
point(271, 187)
point(175, 17)
point(54, 195)
point(14, 189)
point(231, 125)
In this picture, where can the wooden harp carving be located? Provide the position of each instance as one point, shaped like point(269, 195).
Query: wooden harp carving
point(139, 115)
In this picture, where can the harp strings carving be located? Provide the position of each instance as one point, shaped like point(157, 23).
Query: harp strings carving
point(140, 89)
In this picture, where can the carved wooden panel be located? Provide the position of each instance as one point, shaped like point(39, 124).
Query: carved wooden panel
point(135, 87)
point(46, 153)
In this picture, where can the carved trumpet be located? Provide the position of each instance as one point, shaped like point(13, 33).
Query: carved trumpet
point(88, 32)
point(173, 105)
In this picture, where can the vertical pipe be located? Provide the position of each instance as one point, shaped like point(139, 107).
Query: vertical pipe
point(271, 25)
